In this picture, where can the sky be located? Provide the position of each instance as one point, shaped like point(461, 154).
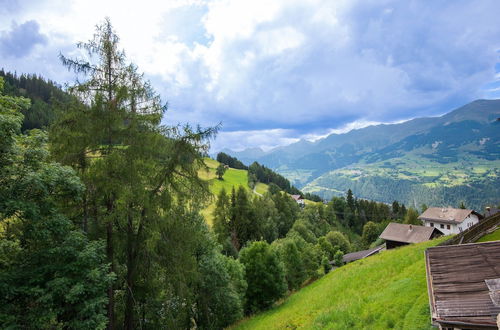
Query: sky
point(274, 72)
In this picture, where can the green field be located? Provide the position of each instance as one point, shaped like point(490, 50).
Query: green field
point(232, 178)
point(386, 291)
point(494, 236)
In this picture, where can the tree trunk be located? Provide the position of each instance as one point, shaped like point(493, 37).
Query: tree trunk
point(130, 302)
point(110, 255)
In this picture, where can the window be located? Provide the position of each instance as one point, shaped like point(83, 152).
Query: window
point(432, 224)
point(460, 229)
point(448, 227)
point(442, 226)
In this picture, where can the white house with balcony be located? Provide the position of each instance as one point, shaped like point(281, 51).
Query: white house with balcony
point(449, 220)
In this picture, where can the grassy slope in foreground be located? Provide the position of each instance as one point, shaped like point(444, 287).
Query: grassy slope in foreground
point(385, 291)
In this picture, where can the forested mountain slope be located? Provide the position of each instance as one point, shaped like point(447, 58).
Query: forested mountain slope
point(437, 161)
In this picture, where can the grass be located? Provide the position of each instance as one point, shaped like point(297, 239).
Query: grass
point(261, 188)
point(494, 236)
point(232, 178)
point(385, 291)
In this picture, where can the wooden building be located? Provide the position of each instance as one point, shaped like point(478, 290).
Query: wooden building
point(463, 283)
point(353, 256)
point(397, 234)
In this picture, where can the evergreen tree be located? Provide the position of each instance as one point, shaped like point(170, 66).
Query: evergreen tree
point(411, 217)
point(137, 173)
point(350, 200)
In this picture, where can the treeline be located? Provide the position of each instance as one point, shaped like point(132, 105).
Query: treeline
point(280, 245)
point(44, 95)
point(232, 162)
point(260, 173)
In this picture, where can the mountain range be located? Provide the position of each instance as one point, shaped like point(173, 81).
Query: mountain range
point(437, 161)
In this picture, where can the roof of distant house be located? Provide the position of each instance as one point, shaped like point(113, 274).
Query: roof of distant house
point(297, 197)
point(463, 284)
point(491, 211)
point(361, 254)
point(407, 233)
point(447, 214)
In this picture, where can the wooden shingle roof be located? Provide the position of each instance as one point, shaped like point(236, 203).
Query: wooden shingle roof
point(407, 233)
point(353, 256)
point(458, 292)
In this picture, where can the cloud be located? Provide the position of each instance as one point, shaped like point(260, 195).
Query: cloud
point(21, 39)
point(284, 69)
point(322, 64)
point(265, 139)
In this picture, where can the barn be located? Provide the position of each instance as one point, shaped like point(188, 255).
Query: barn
point(398, 234)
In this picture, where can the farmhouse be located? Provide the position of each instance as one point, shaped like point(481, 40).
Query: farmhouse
point(449, 220)
point(463, 283)
point(298, 199)
point(397, 234)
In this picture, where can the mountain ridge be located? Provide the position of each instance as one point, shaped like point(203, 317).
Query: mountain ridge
point(451, 146)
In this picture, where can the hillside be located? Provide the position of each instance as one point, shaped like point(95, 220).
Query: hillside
point(438, 161)
point(232, 178)
point(381, 292)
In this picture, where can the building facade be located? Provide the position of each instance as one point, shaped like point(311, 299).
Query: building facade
point(449, 220)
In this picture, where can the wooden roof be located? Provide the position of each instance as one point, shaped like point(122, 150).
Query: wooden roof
point(447, 214)
point(458, 293)
point(407, 233)
point(353, 256)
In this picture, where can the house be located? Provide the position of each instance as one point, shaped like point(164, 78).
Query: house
point(397, 234)
point(350, 257)
point(298, 199)
point(449, 220)
point(463, 283)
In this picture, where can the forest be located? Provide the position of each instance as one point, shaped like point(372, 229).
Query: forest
point(100, 224)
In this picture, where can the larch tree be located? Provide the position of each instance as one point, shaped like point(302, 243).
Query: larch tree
point(136, 171)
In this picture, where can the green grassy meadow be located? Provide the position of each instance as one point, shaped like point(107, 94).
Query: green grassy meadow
point(494, 236)
point(232, 178)
point(385, 291)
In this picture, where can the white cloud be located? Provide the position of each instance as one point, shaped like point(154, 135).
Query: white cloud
point(286, 68)
point(265, 139)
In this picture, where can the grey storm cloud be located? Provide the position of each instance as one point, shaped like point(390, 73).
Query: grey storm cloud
point(373, 60)
point(21, 39)
point(280, 70)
